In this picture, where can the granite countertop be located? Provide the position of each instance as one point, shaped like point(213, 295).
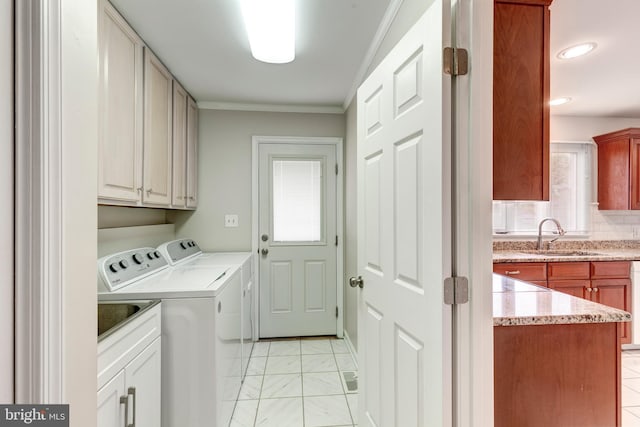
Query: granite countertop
point(563, 251)
point(519, 303)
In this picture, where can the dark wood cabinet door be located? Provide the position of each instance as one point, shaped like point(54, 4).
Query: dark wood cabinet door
point(577, 288)
point(521, 100)
point(610, 270)
point(527, 271)
point(568, 270)
point(615, 293)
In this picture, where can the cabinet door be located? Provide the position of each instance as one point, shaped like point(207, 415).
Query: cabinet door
point(120, 105)
point(568, 270)
point(615, 293)
point(179, 145)
point(634, 147)
point(192, 154)
point(143, 380)
point(158, 113)
point(521, 100)
point(577, 288)
point(111, 412)
point(527, 271)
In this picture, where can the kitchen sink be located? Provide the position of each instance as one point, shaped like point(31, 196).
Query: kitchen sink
point(561, 253)
point(114, 315)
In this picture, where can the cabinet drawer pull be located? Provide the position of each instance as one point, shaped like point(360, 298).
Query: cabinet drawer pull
point(589, 290)
point(124, 400)
point(132, 392)
point(512, 273)
point(595, 289)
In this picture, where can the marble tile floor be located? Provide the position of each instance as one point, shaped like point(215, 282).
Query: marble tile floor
point(297, 383)
point(631, 388)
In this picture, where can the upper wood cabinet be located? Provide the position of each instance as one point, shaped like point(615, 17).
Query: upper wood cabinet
point(158, 119)
point(521, 100)
point(185, 149)
point(180, 97)
point(618, 170)
point(120, 106)
point(192, 154)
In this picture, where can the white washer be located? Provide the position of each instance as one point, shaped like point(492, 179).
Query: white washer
point(200, 331)
point(185, 253)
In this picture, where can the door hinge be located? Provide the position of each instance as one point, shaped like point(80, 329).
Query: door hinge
point(336, 169)
point(455, 61)
point(336, 311)
point(336, 240)
point(456, 290)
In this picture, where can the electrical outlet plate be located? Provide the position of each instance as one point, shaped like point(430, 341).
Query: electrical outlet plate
point(231, 220)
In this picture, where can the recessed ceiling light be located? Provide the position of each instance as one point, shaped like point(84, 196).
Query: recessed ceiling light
point(559, 101)
point(577, 50)
point(271, 28)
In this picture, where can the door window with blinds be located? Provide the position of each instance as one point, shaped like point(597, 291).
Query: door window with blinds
point(570, 180)
point(298, 196)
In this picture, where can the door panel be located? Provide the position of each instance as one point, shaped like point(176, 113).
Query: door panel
point(404, 231)
point(298, 253)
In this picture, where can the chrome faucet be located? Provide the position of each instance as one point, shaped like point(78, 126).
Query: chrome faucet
point(561, 231)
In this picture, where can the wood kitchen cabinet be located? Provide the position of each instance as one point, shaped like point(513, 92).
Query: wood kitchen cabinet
point(611, 285)
point(532, 272)
point(192, 154)
point(121, 108)
point(521, 100)
point(158, 121)
point(618, 170)
point(185, 150)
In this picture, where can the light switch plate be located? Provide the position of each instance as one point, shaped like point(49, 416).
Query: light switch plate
point(231, 220)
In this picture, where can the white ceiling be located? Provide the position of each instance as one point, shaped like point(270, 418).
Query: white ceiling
point(204, 44)
point(605, 82)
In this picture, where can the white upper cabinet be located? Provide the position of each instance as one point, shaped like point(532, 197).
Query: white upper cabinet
point(120, 103)
point(180, 98)
point(192, 154)
point(158, 112)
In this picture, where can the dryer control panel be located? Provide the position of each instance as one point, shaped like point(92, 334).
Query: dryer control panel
point(121, 269)
point(177, 251)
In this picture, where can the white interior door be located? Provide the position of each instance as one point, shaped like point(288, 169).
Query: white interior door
point(404, 232)
point(298, 249)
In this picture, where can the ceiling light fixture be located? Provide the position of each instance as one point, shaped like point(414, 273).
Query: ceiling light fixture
point(271, 28)
point(559, 101)
point(577, 50)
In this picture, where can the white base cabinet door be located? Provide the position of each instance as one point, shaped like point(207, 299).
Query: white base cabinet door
point(133, 396)
point(111, 411)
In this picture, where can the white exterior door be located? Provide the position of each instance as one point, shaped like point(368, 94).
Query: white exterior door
point(404, 228)
point(298, 250)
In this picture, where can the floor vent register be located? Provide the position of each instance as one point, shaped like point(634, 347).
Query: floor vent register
point(350, 381)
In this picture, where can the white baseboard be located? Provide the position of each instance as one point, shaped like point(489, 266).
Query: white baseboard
point(352, 349)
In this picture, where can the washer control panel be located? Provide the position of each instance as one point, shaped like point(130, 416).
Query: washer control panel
point(179, 250)
point(119, 270)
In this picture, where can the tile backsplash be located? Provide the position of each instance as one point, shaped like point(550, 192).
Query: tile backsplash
point(614, 225)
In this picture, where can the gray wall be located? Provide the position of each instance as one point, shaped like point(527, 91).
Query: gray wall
point(351, 226)
point(120, 216)
point(575, 128)
point(6, 189)
point(224, 175)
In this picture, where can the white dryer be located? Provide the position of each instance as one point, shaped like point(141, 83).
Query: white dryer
point(200, 331)
point(185, 253)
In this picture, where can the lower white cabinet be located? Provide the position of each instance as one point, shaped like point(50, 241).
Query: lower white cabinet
point(133, 395)
point(129, 373)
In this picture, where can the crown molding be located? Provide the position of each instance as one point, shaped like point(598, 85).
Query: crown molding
point(381, 33)
point(273, 108)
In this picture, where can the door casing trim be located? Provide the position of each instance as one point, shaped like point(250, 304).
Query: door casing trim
point(256, 141)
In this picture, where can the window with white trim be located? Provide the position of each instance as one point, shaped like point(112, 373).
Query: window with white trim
point(570, 178)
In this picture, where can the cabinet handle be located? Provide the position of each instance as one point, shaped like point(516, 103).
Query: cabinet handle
point(191, 198)
point(512, 273)
point(124, 400)
point(139, 189)
point(595, 289)
point(149, 190)
point(589, 289)
point(132, 392)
